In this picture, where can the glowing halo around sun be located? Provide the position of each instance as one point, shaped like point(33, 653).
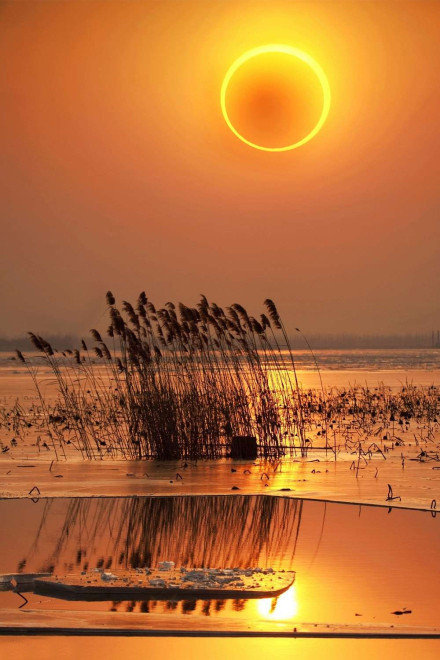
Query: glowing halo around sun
point(286, 50)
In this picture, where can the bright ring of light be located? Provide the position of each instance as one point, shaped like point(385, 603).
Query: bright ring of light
point(287, 50)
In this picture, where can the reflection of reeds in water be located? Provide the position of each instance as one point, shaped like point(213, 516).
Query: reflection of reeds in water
point(196, 531)
point(200, 607)
point(175, 383)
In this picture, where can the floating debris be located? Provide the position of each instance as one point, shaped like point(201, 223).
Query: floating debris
point(402, 611)
point(168, 583)
point(22, 581)
point(108, 577)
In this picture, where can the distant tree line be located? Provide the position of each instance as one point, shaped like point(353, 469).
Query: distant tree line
point(317, 341)
point(353, 341)
point(22, 342)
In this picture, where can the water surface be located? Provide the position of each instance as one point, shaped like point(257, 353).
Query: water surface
point(355, 565)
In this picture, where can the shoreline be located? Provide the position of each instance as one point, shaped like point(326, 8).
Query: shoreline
point(319, 480)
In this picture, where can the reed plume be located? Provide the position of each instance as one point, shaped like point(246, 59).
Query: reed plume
point(179, 382)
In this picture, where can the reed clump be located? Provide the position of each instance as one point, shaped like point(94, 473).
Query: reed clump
point(180, 382)
point(175, 382)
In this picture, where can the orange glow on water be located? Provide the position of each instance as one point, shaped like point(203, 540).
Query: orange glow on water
point(283, 608)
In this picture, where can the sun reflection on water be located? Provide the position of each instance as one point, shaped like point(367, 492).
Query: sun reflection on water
point(282, 608)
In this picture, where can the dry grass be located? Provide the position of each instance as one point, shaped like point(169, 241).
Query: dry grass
point(181, 382)
point(170, 384)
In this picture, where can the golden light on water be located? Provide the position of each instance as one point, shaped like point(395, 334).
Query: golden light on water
point(283, 608)
point(272, 97)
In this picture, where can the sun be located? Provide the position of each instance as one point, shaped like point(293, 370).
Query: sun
point(268, 101)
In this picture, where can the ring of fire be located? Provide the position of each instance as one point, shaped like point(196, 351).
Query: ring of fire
point(287, 50)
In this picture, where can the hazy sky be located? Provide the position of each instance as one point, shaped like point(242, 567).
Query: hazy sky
point(118, 170)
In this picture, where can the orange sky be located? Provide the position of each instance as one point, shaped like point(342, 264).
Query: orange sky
point(118, 170)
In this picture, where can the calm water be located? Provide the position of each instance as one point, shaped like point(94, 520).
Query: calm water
point(329, 359)
point(338, 368)
point(354, 564)
point(115, 648)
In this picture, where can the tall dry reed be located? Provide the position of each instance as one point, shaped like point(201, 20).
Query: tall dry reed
point(177, 382)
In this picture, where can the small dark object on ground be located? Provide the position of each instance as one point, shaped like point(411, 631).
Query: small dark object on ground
point(391, 496)
point(244, 447)
point(24, 598)
point(235, 488)
point(36, 489)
